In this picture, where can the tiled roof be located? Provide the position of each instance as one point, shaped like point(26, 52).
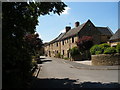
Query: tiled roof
point(58, 38)
point(116, 35)
point(73, 31)
point(45, 44)
point(76, 30)
point(105, 30)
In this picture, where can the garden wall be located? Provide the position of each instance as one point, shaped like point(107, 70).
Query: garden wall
point(106, 59)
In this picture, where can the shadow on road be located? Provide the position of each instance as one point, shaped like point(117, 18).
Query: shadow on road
point(43, 61)
point(42, 58)
point(69, 83)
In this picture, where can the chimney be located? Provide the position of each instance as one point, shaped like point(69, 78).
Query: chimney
point(76, 24)
point(67, 28)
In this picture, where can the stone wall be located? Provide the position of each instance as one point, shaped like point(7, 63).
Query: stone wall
point(106, 59)
point(67, 45)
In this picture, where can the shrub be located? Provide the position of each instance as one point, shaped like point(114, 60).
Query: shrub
point(98, 52)
point(104, 46)
point(66, 58)
point(34, 63)
point(74, 51)
point(118, 48)
point(95, 48)
point(58, 55)
point(110, 50)
point(99, 49)
point(85, 43)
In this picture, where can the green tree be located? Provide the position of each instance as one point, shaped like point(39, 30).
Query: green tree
point(18, 19)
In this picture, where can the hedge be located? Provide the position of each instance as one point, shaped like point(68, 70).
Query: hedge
point(104, 49)
point(118, 48)
point(110, 50)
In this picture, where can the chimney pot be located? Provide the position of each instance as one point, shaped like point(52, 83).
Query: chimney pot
point(77, 24)
point(67, 28)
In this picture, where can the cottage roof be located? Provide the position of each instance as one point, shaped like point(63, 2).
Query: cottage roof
point(73, 31)
point(76, 30)
point(105, 31)
point(116, 35)
point(58, 38)
point(46, 43)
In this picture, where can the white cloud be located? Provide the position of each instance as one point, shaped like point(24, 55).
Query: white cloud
point(40, 35)
point(66, 10)
point(62, 31)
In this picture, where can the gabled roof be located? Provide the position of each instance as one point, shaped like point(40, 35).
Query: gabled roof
point(76, 30)
point(116, 35)
point(73, 31)
point(45, 44)
point(58, 38)
point(104, 30)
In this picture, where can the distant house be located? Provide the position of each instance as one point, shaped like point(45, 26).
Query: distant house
point(67, 40)
point(115, 39)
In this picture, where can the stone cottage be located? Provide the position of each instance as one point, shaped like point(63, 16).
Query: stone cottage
point(67, 40)
point(115, 39)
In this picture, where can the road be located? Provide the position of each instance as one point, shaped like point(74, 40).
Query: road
point(56, 73)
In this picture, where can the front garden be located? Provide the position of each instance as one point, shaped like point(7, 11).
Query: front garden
point(104, 54)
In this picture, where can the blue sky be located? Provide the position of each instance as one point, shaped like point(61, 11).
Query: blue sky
point(102, 14)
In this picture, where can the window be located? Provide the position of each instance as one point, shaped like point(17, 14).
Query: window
point(57, 44)
point(108, 37)
point(62, 42)
point(63, 52)
point(72, 39)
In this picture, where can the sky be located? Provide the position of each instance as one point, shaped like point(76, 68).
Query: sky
point(101, 14)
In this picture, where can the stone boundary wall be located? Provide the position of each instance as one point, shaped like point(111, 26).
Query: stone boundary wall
point(106, 59)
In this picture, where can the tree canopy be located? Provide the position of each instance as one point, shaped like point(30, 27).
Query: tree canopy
point(18, 19)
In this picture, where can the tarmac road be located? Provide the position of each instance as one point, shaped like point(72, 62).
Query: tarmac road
point(57, 73)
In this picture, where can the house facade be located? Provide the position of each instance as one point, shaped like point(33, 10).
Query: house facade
point(67, 40)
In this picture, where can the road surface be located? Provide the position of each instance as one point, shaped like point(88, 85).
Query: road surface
point(56, 73)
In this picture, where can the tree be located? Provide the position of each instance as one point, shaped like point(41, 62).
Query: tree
point(18, 19)
point(33, 43)
point(84, 44)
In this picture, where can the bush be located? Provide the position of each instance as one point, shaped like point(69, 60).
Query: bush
point(99, 49)
point(74, 51)
point(66, 58)
point(34, 63)
point(98, 52)
point(110, 50)
point(85, 43)
point(58, 55)
point(104, 46)
point(118, 48)
point(95, 48)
